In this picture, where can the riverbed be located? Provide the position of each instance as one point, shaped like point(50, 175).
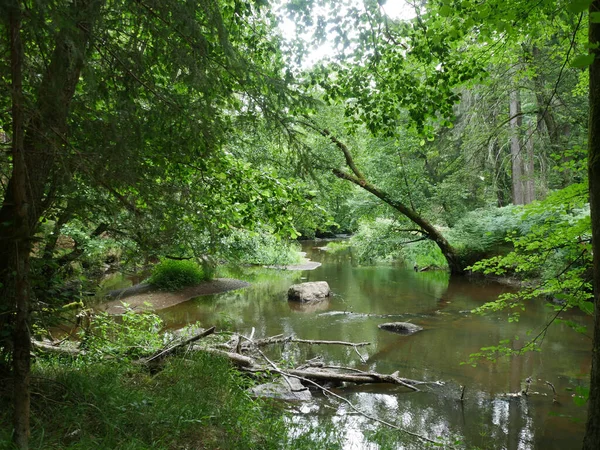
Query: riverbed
point(365, 296)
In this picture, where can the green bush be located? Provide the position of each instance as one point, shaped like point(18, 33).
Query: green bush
point(129, 335)
point(171, 275)
point(259, 248)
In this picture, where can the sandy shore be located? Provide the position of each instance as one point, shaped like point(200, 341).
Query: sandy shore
point(155, 300)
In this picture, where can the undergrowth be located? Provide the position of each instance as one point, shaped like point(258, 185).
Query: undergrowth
point(172, 275)
point(198, 402)
point(104, 400)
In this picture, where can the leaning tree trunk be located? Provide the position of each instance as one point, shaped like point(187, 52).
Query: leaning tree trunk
point(592, 431)
point(455, 263)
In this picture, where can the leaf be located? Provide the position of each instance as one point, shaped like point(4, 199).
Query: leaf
point(445, 11)
point(595, 17)
point(583, 61)
point(579, 6)
point(587, 307)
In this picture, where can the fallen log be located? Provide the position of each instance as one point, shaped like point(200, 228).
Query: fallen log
point(357, 378)
point(158, 356)
point(283, 340)
point(51, 347)
point(237, 359)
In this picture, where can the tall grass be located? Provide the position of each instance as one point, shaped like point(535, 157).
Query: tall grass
point(198, 402)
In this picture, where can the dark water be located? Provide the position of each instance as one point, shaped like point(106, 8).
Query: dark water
point(367, 296)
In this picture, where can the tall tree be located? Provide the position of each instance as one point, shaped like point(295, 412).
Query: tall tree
point(122, 113)
point(516, 121)
point(592, 431)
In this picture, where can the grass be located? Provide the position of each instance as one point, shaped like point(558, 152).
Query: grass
point(198, 402)
point(173, 275)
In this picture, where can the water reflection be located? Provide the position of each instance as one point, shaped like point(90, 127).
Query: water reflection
point(367, 296)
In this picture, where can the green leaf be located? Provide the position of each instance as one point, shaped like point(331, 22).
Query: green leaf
point(445, 11)
point(595, 17)
point(583, 61)
point(587, 307)
point(579, 6)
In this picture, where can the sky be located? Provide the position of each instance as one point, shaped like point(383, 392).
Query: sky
point(396, 9)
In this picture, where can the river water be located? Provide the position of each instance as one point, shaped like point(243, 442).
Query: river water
point(366, 296)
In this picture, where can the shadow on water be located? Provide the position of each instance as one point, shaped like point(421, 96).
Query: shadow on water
point(368, 296)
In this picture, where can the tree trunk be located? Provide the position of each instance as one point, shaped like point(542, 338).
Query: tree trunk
point(20, 202)
point(592, 430)
point(43, 140)
point(515, 147)
point(34, 154)
point(529, 167)
point(455, 263)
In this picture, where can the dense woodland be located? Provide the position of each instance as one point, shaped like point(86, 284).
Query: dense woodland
point(465, 138)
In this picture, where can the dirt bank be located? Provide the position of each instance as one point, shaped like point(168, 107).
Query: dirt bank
point(155, 300)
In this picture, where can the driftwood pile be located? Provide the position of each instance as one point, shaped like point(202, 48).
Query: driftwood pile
point(247, 355)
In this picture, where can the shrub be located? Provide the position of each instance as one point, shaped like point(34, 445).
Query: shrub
point(129, 335)
point(171, 275)
point(259, 248)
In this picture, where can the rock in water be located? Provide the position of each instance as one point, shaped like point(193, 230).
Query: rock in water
point(283, 391)
point(400, 327)
point(309, 292)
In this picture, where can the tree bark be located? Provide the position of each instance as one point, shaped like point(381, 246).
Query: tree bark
point(515, 147)
point(592, 431)
point(529, 167)
point(21, 360)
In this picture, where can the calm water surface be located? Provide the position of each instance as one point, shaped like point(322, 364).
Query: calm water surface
point(367, 296)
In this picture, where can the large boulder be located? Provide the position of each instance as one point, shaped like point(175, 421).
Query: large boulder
point(309, 292)
point(401, 327)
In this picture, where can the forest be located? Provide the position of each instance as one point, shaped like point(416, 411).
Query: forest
point(443, 144)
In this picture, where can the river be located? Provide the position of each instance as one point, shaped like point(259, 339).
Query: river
point(366, 296)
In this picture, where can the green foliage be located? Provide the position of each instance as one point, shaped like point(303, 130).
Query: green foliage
point(338, 246)
point(376, 240)
point(172, 275)
point(196, 402)
point(380, 240)
point(484, 230)
point(129, 335)
point(262, 248)
point(553, 254)
point(423, 254)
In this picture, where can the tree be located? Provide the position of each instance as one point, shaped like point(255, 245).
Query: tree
point(353, 174)
point(592, 431)
point(119, 116)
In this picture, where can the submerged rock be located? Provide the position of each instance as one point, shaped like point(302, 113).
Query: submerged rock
point(309, 307)
point(400, 327)
point(281, 390)
point(309, 292)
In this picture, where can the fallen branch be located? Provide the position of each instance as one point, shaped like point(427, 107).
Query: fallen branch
point(351, 369)
point(283, 340)
point(235, 358)
point(366, 377)
point(51, 347)
point(164, 353)
point(298, 375)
